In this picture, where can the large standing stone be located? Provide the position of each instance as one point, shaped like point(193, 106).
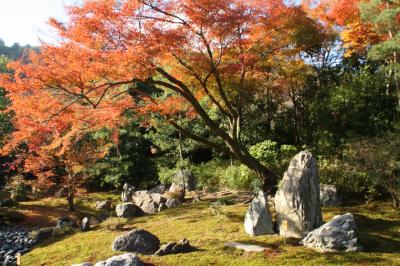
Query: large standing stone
point(128, 210)
point(127, 191)
point(297, 203)
point(258, 219)
point(128, 259)
point(329, 196)
point(336, 235)
point(138, 240)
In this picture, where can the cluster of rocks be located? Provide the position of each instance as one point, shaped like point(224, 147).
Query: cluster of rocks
point(298, 210)
point(142, 242)
point(13, 240)
point(137, 203)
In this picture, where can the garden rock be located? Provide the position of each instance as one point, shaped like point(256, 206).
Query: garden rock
point(44, 233)
point(182, 246)
point(104, 205)
point(128, 210)
point(258, 220)
point(139, 240)
point(297, 202)
point(245, 247)
point(329, 196)
point(176, 191)
point(159, 189)
point(128, 259)
point(85, 225)
point(171, 203)
point(148, 202)
point(339, 234)
point(127, 191)
point(66, 222)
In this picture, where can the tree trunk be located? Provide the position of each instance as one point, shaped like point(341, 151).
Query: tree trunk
point(267, 176)
point(70, 199)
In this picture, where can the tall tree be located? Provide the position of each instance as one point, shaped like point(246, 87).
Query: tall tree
point(206, 54)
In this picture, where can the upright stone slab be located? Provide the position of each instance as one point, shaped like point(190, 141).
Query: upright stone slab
point(127, 192)
point(297, 202)
point(258, 219)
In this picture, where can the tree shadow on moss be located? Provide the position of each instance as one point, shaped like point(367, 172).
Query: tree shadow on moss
point(378, 235)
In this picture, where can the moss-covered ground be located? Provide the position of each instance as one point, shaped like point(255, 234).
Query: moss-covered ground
point(208, 230)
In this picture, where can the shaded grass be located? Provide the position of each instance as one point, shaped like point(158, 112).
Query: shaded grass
point(379, 233)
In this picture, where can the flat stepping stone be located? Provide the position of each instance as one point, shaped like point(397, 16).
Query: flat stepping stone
point(245, 247)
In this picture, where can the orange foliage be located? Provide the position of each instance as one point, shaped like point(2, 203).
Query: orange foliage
point(191, 49)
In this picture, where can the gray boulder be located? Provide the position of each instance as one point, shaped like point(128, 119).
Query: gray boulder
point(182, 246)
point(297, 203)
point(44, 233)
point(127, 191)
point(159, 189)
point(339, 234)
point(138, 197)
point(104, 205)
point(329, 196)
point(177, 191)
point(258, 220)
point(128, 210)
point(171, 203)
point(148, 202)
point(139, 240)
point(85, 225)
point(128, 259)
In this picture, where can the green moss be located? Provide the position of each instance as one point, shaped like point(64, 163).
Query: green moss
point(379, 226)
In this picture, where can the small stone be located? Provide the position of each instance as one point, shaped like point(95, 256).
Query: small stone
point(128, 210)
point(85, 226)
point(182, 246)
point(105, 205)
point(128, 259)
point(127, 191)
point(172, 203)
point(66, 222)
point(245, 247)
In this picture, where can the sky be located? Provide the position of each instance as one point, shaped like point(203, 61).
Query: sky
point(24, 21)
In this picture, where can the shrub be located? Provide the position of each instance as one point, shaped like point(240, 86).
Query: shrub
point(238, 177)
point(370, 166)
point(208, 174)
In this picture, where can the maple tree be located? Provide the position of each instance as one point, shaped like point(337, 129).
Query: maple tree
point(204, 55)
